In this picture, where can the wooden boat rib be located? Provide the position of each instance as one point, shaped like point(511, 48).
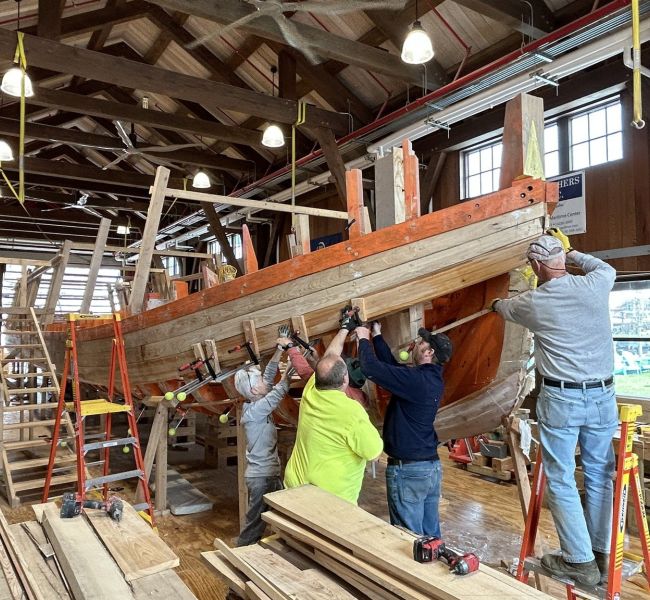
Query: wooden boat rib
point(456, 258)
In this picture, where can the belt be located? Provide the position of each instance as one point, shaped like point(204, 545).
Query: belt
point(405, 461)
point(588, 385)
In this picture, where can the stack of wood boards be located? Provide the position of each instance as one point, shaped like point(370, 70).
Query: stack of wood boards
point(363, 551)
point(87, 557)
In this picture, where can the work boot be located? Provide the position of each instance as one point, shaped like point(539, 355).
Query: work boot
point(586, 574)
point(602, 560)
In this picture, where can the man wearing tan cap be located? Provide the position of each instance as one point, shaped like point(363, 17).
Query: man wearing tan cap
point(569, 315)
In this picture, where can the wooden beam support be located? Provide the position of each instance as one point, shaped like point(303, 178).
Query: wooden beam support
point(49, 19)
point(56, 282)
point(250, 259)
point(303, 238)
point(335, 163)
point(287, 75)
point(411, 182)
point(322, 43)
point(95, 264)
point(86, 105)
point(430, 182)
point(259, 204)
point(533, 18)
point(51, 55)
point(141, 277)
point(220, 233)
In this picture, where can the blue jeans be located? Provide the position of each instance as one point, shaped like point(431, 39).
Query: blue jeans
point(588, 417)
point(413, 491)
point(254, 527)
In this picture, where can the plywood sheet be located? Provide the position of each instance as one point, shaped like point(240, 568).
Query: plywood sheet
point(136, 548)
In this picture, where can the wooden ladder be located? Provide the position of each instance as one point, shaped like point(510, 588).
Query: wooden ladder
point(30, 394)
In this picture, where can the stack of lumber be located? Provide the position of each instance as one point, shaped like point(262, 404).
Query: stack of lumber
point(353, 553)
point(86, 557)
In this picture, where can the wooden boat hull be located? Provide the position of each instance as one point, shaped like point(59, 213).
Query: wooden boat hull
point(457, 257)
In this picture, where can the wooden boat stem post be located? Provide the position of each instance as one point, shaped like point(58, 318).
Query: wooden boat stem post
point(357, 225)
point(250, 258)
point(411, 182)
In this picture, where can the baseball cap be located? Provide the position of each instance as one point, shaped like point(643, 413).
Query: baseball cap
point(544, 248)
point(357, 378)
point(440, 343)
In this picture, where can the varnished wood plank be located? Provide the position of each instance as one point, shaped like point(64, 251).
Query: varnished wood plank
point(75, 544)
point(134, 546)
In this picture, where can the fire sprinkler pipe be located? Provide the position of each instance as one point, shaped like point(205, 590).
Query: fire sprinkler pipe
point(564, 31)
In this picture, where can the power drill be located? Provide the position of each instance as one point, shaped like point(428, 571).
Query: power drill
point(71, 506)
point(427, 549)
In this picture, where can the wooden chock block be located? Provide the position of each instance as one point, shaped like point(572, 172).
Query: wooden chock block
point(360, 303)
point(211, 348)
point(250, 335)
point(300, 327)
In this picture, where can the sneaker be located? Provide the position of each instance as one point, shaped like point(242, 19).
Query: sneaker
point(586, 574)
point(602, 560)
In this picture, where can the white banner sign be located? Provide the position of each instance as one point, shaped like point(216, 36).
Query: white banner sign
point(570, 215)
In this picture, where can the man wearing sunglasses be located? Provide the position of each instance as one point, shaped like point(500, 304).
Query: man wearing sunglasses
point(574, 354)
point(413, 473)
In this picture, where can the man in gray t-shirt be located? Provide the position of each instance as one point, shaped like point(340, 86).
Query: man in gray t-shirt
point(569, 316)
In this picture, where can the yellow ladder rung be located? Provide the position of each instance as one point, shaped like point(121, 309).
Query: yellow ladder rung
point(98, 407)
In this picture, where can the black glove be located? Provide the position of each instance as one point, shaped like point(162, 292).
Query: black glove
point(349, 318)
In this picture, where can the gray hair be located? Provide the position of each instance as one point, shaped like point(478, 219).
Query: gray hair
point(246, 380)
point(330, 373)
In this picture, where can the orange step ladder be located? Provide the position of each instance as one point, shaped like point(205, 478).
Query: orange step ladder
point(86, 408)
point(627, 483)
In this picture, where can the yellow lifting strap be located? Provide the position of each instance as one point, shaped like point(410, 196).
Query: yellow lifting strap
point(21, 61)
point(638, 121)
point(302, 115)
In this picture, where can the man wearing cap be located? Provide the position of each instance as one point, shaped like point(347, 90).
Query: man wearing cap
point(335, 437)
point(569, 315)
point(413, 474)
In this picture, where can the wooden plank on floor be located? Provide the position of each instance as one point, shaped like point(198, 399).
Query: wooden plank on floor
point(376, 542)
point(252, 592)
point(166, 585)
point(88, 567)
point(234, 578)
point(136, 548)
point(10, 587)
point(49, 584)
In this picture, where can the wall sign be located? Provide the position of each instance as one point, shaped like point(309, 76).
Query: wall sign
point(570, 215)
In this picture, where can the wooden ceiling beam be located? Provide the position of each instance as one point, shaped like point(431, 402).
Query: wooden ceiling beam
point(49, 18)
point(52, 55)
point(322, 43)
point(532, 18)
point(89, 21)
point(86, 105)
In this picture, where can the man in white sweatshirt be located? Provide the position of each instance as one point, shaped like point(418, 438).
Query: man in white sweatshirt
point(569, 316)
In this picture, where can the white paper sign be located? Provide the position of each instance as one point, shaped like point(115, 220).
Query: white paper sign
point(570, 215)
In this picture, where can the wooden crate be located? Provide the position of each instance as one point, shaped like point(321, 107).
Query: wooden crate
point(220, 443)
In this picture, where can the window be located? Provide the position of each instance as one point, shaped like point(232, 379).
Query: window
point(596, 136)
point(629, 309)
point(482, 166)
point(172, 265)
point(235, 241)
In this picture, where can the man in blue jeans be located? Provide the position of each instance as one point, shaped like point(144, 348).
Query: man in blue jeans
point(413, 474)
point(569, 315)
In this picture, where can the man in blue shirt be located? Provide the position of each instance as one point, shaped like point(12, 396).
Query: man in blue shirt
point(413, 474)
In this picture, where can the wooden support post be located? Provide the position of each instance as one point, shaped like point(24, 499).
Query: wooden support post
point(250, 259)
point(57, 281)
point(141, 277)
point(523, 140)
point(430, 183)
point(160, 503)
point(355, 204)
point(303, 239)
point(22, 287)
point(332, 155)
point(411, 182)
point(250, 335)
point(95, 264)
point(241, 469)
point(158, 431)
point(416, 318)
point(389, 189)
point(220, 233)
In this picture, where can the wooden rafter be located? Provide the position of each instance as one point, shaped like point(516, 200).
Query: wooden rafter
point(54, 56)
point(323, 43)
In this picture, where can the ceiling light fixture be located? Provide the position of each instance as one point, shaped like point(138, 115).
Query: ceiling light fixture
point(201, 181)
point(417, 48)
point(5, 151)
point(123, 230)
point(273, 136)
point(12, 79)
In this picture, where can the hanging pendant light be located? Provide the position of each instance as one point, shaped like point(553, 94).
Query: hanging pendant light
point(12, 78)
point(417, 48)
point(6, 153)
point(201, 181)
point(273, 136)
point(11, 83)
